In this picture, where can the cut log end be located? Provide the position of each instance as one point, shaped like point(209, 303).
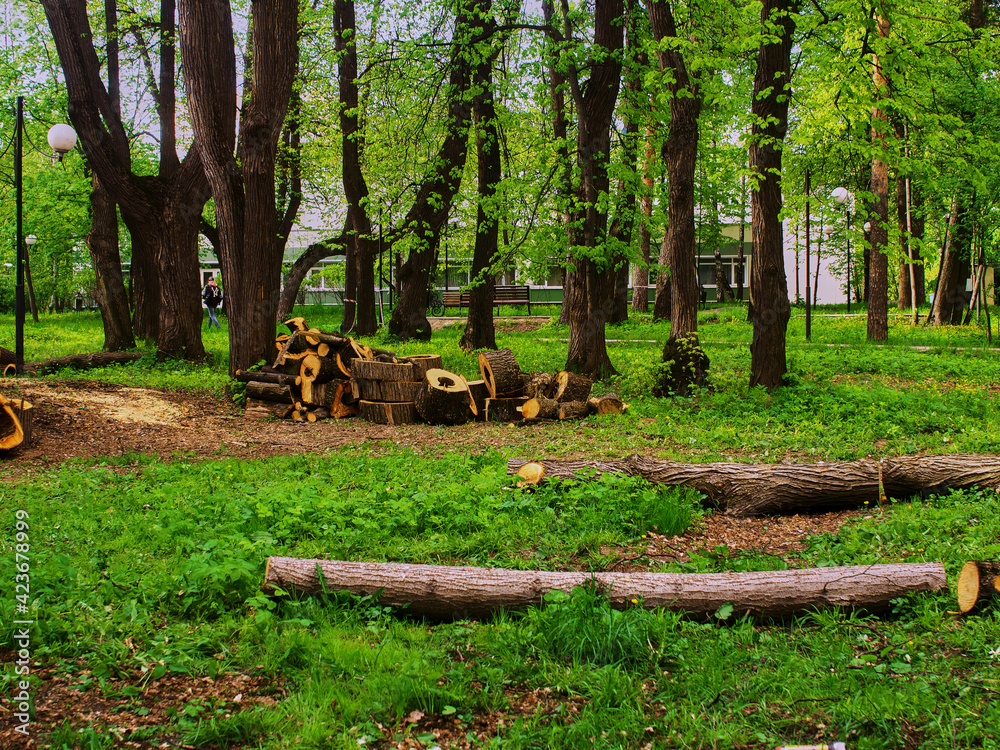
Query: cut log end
point(977, 581)
point(531, 473)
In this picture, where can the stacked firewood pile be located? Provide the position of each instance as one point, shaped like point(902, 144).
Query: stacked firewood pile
point(318, 374)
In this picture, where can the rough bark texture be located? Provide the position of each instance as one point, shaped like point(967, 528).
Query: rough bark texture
point(109, 283)
point(501, 372)
point(759, 489)
point(878, 294)
point(591, 302)
point(680, 153)
point(381, 412)
point(769, 109)
point(480, 332)
point(243, 185)
point(359, 303)
point(432, 203)
point(949, 296)
point(444, 398)
point(443, 591)
point(162, 212)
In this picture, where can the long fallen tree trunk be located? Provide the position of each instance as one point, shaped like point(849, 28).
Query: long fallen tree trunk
point(440, 591)
point(81, 362)
point(761, 489)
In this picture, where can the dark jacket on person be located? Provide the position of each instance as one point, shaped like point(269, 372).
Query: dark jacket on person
point(212, 295)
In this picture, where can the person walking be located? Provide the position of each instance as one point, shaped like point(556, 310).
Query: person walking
point(212, 296)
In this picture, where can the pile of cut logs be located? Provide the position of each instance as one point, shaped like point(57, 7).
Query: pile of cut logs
point(319, 374)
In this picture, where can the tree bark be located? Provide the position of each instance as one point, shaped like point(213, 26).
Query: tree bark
point(878, 295)
point(480, 332)
point(590, 305)
point(760, 489)
point(81, 362)
point(158, 210)
point(243, 184)
point(946, 295)
point(769, 109)
point(978, 581)
point(440, 591)
point(640, 277)
point(431, 206)
point(359, 303)
point(112, 298)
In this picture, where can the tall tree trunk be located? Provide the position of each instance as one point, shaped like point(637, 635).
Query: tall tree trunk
point(150, 212)
point(480, 332)
point(878, 295)
point(244, 187)
point(589, 312)
point(431, 206)
point(102, 242)
point(740, 262)
point(680, 154)
point(32, 304)
point(359, 307)
point(769, 109)
point(640, 278)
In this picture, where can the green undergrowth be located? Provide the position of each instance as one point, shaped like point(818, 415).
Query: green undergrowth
point(144, 570)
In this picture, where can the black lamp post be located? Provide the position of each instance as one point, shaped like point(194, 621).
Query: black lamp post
point(61, 138)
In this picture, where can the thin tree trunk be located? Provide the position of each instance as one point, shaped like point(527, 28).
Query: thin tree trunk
point(946, 295)
point(591, 305)
point(878, 295)
point(480, 332)
point(769, 288)
point(640, 278)
point(359, 305)
point(432, 204)
point(112, 297)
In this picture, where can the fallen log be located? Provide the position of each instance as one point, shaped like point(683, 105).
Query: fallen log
point(318, 370)
point(281, 394)
point(446, 591)
point(761, 489)
point(978, 581)
point(540, 407)
point(371, 369)
point(573, 410)
point(535, 383)
point(81, 362)
point(279, 378)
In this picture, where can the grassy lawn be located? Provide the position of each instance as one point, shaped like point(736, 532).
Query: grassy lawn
point(146, 573)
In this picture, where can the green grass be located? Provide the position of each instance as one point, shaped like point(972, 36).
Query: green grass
point(144, 569)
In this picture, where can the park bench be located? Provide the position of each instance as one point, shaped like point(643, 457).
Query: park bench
point(503, 294)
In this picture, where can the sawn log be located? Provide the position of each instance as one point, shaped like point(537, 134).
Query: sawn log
point(444, 591)
point(760, 489)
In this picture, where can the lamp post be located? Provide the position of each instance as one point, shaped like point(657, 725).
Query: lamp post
point(62, 138)
point(841, 195)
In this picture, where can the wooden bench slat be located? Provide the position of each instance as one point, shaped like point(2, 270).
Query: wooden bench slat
point(508, 294)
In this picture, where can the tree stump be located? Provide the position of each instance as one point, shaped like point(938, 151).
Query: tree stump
point(381, 412)
point(978, 581)
point(444, 398)
point(501, 372)
point(505, 409)
point(572, 387)
point(687, 367)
